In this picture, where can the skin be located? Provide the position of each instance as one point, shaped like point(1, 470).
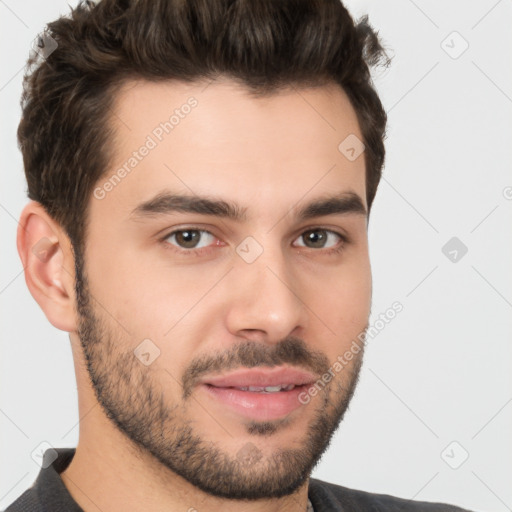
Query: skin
point(271, 156)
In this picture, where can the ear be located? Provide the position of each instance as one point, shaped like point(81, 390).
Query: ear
point(48, 261)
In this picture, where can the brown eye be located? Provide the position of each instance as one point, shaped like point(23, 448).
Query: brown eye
point(319, 238)
point(190, 238)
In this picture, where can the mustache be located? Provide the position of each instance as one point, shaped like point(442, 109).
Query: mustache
point(249, 354)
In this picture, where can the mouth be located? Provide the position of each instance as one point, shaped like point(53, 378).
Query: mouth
point(261, 394)
point(267, 389)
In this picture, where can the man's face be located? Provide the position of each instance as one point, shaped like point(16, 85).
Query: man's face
point(189, 312)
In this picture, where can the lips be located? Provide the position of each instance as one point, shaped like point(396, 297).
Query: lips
point(259, 393)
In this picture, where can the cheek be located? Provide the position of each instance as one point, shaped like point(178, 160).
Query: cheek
point(346, 307)
point(134, 286)
point(342, 304)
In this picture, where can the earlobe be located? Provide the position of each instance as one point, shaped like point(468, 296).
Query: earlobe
point(44, 249)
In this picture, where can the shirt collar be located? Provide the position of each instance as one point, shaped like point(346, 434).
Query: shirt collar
point(50, 488)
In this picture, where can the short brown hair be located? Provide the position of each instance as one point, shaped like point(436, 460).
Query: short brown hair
point(264, 45)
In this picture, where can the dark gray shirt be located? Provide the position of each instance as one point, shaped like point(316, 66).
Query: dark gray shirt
point(49, 494)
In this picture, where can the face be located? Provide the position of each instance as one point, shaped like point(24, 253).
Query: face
point(224, 280)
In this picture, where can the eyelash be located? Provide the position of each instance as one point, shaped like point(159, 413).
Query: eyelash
point(201, 251)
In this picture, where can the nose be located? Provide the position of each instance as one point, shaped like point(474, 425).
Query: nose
point(265, 304)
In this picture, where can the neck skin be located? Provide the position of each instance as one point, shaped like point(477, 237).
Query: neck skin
point(107, 473)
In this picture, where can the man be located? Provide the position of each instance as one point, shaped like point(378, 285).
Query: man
point(201, 177)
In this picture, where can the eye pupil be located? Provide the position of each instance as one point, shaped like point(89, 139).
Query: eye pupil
point(188, 238)
point(317, 238)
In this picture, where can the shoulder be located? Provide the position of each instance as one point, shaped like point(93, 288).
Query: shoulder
point(326, 497)
point(48, 493)
point(27, 502)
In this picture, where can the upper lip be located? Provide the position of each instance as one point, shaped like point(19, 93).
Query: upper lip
point(245, 377)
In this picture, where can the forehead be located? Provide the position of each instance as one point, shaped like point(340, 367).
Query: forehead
point(216, 139)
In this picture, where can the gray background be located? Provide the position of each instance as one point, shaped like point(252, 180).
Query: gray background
point(436, 385)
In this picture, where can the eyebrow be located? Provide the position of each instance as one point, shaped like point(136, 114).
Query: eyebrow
point(166, 203)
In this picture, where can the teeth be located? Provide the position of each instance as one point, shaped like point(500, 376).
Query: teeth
point(272, 389)
point(268, 389)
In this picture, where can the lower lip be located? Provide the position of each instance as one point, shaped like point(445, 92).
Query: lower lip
point(256, 405)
